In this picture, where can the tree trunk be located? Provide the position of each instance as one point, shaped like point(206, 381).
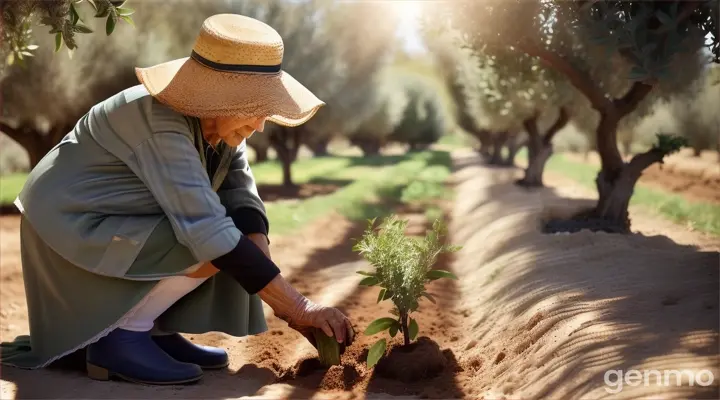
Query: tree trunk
point(404, 327)
point(540, 148)
point(697, 152)
point(286, 142)
point(33, 141)
point(498, 142)
point(513, 146)
point(615, 193)
point(320, 148)
point(261, 154)
point(369, 147)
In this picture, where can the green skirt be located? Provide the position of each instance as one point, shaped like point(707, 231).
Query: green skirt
point(70, 308)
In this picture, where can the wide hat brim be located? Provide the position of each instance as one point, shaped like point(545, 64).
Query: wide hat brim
point(193, 89)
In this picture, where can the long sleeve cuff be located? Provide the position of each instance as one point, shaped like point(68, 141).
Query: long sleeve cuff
point(248, 265)
point(249, 220)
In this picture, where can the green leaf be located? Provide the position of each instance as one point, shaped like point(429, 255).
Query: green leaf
point(125, 11)
point(379, 325)
point(74, 17)
point(369, 281)
point(428, 296)
point(110, 24)
point(117, 3)
point(365, 273)
point(376, 352)
point(328, 348)
point(381, 295)
point(58, 41)
point(384, 295)
point(413, 329)
point(128, 20)
point(394, 329)
point(438, 273)
point(80, 28)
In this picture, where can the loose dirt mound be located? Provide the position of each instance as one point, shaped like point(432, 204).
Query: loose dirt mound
point(418, 361)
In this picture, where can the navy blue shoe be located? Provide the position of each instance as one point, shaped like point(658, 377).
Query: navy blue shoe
point(184, 350)
point(134, 357)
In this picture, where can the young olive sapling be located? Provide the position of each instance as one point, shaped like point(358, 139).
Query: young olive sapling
point(403, 265)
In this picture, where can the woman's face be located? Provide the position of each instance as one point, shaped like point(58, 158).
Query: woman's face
point(232, 131)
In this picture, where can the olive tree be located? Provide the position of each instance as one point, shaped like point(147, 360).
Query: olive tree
point(45, 96)
point(615, 53)
point(391, 101)
point(424, 120)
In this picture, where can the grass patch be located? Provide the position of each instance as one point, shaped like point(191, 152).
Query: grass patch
point(379, 183)
point(700, 216)
point(10, 186)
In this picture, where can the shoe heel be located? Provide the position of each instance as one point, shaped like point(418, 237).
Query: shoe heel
point(97, 373)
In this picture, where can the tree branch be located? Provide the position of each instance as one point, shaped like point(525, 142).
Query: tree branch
point(628, 103)
point(560, 123)
point(18, 135)
point(688, 8)
point(641, 161)
point(581, 80)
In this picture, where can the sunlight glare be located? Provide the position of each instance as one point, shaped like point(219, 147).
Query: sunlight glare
point(408, 12)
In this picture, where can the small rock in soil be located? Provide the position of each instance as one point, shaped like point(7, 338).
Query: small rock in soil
point(420, 360)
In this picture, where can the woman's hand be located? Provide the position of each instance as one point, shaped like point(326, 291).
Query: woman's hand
point(310, 315)
point(303, 315)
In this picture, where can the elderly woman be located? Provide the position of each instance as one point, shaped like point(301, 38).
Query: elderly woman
point(145, 221)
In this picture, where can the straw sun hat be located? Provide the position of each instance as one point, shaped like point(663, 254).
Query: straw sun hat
point(234, 70)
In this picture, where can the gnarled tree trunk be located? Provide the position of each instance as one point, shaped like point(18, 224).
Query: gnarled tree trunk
point(286, 142)
point(540, 148)
point(615, 194)
point(497, 142)
point(33, 141)
point(616, 179)
point(369, 147)
point(319, 147)
point(261, 153)
point(514, 145)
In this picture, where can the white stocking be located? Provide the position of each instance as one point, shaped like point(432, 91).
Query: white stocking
point(141, 318)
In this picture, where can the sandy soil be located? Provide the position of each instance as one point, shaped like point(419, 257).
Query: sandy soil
point(532, 316)
point(696, 178)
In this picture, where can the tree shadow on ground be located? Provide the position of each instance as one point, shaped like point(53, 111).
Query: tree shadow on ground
point(314, 187)
point(654, 293)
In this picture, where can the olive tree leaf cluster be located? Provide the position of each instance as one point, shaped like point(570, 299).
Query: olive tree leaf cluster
point(403, 265)
point(63, 17)
point(44, 99)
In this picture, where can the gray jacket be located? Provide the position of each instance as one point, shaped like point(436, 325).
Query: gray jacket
point(130, 162)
